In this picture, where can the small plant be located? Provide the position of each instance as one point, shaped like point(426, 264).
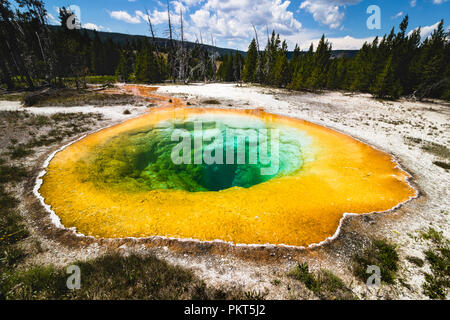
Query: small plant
point(437, 282)
point(211, 101)
point(12, 173)
point(255, 295)
point(433, 235)
point(275, 282)
point(380, 253)
point(441, 164)
point(436, 149)
point(20, 151)
point(302, 274)
point(325, 285)
point(415, 260)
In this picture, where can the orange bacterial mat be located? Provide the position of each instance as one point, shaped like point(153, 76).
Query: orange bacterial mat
point(338, 175)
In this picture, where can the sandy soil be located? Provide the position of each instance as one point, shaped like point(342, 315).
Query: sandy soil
point(390, 126)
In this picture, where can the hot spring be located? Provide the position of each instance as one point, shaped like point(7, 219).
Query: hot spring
point(197, 154)
point(210, 174)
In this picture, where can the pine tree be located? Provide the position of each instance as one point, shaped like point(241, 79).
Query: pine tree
point(142, 68)
point(387, 85)
point(303, 70)
point(362, 68)
point(148, 66)
point(281, 65)
point(250, 63)
point(432, 80)
point(123, 69)
point(321, 63)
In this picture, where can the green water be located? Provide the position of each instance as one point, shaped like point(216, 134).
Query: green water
point(144, 160)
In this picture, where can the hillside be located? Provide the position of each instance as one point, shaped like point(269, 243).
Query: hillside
point(123, 38)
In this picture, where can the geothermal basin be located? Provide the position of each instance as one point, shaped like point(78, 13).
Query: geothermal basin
point(181, 173)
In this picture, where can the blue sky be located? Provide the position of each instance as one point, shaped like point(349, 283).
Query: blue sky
point(229, 22)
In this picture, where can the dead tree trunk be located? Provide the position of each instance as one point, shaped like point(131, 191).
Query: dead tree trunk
point(182, 55)
point(258, 55)
point(171, 55)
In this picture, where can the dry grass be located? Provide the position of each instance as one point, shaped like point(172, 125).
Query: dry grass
point(73, 97)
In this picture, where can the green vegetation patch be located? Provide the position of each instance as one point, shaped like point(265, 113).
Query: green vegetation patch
point(14, 96)
point(73, 97)
point(437, 149)
point(211, 101)
point(380, 253)
point(324, 285)
point(444, 165)
point(437, 283)
point(20, 151)
point(111, 277)
point(12, 173)
point(415, 260)
point(433, 235)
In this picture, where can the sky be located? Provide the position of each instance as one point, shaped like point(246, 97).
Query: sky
point(229, 23)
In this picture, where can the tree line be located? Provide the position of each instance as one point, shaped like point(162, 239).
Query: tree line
point(398, 64)
point(33, 54)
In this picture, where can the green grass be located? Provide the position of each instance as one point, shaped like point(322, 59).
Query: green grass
point(73, 97)
point(324, 285)
point(12, 231)
point(111, 277)
point(380, 253)
point(415, 260)
point(436, 149)
point(15, 96)
point(441, 164)
point(437, 282)
point(12, 173)
point(211, 101)
point(92, 80)
point(431, 148)
point(20, 151)
point(433, 235)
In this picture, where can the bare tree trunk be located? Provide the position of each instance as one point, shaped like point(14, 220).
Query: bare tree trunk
point(152, 33)
point(213, 58)
point(171, 58)
point(182, 56)
point(258, 62)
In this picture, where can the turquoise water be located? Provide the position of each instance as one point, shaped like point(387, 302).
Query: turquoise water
point(202, 153)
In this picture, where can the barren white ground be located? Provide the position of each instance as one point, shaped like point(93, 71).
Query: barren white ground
point(385, 125)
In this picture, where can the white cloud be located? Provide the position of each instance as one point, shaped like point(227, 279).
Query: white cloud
point(426, 31)
point(93, 26)
point(160, 17)
point(192, 2)
point(125, 16)
point(398, 15)
point(231, 20)
point(413, 3)
point(345, 43)
point(440, 1)
point(52, 19)
point(327, 12)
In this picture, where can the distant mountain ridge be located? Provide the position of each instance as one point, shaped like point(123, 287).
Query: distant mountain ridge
point(163, 42)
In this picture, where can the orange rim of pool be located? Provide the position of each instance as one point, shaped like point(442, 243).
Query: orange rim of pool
point(179, 172)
